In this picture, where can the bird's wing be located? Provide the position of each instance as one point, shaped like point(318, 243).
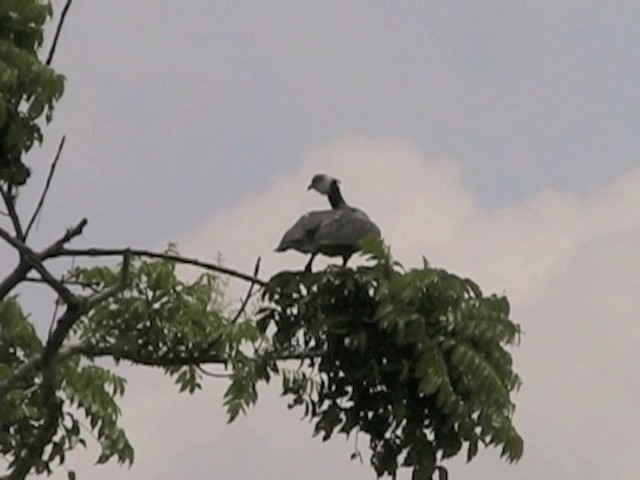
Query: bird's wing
point(301, 235)
point(345, 228)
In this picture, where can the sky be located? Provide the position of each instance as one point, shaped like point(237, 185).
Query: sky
point(497, 138)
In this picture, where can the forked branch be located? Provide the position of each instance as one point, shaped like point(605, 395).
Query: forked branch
point(20, 272)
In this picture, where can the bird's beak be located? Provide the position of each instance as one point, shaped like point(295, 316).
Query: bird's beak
point(310, 187)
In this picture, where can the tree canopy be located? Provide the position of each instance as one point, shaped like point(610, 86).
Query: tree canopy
point(416, 360)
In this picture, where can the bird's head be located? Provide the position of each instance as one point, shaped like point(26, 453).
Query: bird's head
point(321, 183)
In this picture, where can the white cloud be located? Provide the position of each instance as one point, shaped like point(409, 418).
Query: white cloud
point(570, 265)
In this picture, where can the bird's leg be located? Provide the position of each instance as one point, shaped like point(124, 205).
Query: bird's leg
point(307, 268)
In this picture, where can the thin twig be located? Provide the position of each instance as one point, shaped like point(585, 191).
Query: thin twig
point(117, 252)
point(54, 315)
point(245, 301)
point(54, 43)
point(212, 374)
point(47, 184)
point(52, 322)
point(68, 319)
point(93, 286)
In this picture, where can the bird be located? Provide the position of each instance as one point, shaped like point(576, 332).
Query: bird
point(334, 232)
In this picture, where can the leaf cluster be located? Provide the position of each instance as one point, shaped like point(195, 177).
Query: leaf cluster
point(417, 360)
point(18, 342)
point(29, 88)
point(162, 320)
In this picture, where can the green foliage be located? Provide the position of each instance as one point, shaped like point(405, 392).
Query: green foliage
point(93, 390)
point(159, 320)
point(18, 341)
point(163, 320)
point(28, 87)
point(143, 320)
point(415, 359)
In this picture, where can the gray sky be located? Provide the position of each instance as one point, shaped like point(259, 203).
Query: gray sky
point(497, 138)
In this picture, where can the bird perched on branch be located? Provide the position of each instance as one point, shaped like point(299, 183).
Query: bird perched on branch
point(335, 232)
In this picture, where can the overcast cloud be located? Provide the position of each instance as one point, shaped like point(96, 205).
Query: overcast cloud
point(499, 139)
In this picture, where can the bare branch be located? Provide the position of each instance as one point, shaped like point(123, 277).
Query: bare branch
point(47, 184)
point(16, 276)
point(9, 201)
point(118, 252)
point(245, 301)
point(75, 283)
point(69, 235)
point(56, 36)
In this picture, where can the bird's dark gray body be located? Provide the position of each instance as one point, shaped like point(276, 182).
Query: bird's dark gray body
point(324, 231)
point(335, 232)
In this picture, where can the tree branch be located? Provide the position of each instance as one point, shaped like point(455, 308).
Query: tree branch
point(9, 201)
point(69, 235)
point(56, 36)
point(35, 262)
point(23, 268)
point(117, 252)
point(15, 277)
point(47, 184)
point(198, 358)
